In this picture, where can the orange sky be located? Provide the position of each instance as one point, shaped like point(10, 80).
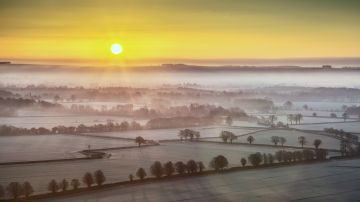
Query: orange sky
point(160, 31)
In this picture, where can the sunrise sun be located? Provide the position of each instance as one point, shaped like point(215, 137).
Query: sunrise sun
point(116, 48)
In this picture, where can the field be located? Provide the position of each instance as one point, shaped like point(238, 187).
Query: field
point(124, 162)
point(170, 134)
point(49, 121)
point(45, 147)
point(353, 127)
point(330, 181)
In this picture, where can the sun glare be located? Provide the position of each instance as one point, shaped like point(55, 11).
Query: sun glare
point(116, 49)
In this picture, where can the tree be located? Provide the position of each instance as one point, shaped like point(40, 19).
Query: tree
point(275, 140)
point(53, 186)
point(140, 140)
point(282, 141)
point(63, 185)
point(308, 154)
point(180, 167)
point(345, 116)
point(191, 166)
point(156, 169)
point(305, 107)
point(99, 177)
point(314, 114)
point(250, 139)
point(255, 159)
point(169, 168)
point(141, 173)
point(229, 120)
point(28, 189)
point(15, 189)
point(333, 115)
point(219, 162)
point(317, 143)
point(302, 141)
point(288, 105)
point(290, 118)
point(279, 155)
point(2, 191)
point(88, 179)
point(270, 158)
point(272, 118)
point(131, 177)
point(243, 162)
point(200, 166)
point(224, 136)
point(298, 118)
point(75, 183)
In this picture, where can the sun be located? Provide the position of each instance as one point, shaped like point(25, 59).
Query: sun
point(116, 48)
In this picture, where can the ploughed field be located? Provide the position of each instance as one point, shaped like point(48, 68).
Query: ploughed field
point(124, 162)
point(330, 181)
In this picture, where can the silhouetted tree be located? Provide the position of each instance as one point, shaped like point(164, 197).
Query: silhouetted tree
point(156, 169)
point(141, 173)
point(282, 141)
point(275, 140)
point(279, 155)
point(255, 159)
point(180, 167)
point(317, 143)
point(219, 162)
point(53, 186)
point(169, 168)
point(243, 162)
point(302, 141)
point(314, 114)
point(272, 119)
point(191, 166)
point(15, 189)
point(333, 115)
point(200, 166)
point(265, 159)
point(321, 154)
point(131, 177)
point(63, 185)
point(99, 177)
point(140, 140)
point(250, 139)
point(88, 179)
point(75, 183)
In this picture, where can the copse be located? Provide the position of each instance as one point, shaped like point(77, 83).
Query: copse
point(141, 173)
point(219, 163)
point(156, 169)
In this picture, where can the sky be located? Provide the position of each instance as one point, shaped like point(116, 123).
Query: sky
point(166, 31)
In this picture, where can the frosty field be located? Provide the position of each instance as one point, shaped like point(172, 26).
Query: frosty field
point(124, 162)
point(336, 181)
point(45, 147)
point(170, 134)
